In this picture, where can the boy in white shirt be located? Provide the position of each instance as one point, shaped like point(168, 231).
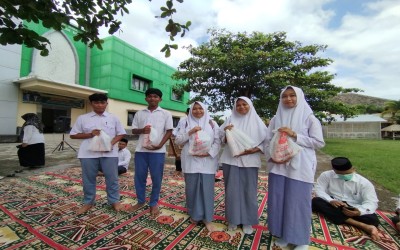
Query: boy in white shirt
point(124, 156)
point(86, 127)
point(151, 157)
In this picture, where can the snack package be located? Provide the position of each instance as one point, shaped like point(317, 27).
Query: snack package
point(200, 143)
point(238, 141)
point(101, 142)
point(282, 147)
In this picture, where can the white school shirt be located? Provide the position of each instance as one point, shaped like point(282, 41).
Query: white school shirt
point(357, 192)
point(160, 119)
point(203, 165)
point(87, 123)
point(32, 135)
point(124, 157)
point(310, 139)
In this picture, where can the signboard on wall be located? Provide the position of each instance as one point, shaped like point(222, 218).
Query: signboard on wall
point(54, 100)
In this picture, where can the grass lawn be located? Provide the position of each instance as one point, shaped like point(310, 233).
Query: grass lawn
point(377, 160)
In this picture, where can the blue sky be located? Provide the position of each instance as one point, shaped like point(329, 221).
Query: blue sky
point(343, 7)
point(362, 35)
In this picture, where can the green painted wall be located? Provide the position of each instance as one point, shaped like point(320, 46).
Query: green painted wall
point(112, 69)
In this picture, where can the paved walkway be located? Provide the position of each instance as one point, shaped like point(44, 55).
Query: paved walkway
point(57, 156)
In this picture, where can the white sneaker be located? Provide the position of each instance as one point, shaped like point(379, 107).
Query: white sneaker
point(247, 229)
point(280, 242)
point(301, 247)
point(232, 227)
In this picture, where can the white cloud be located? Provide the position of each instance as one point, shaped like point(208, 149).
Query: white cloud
point(364, 46)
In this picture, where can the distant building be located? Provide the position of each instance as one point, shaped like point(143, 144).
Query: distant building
point(358, 127)
point(57, 87)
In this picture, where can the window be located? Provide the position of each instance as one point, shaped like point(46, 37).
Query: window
point(176, 95)
point(139, 84)
point(175, 121)
point(131, 114)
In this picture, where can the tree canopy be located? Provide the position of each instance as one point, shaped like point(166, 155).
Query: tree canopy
point(392, 108)
point(258, 66)
point(88, 16)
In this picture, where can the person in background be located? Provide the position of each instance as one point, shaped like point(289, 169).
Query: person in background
point(31, 153)
point(181, 124)
point(199, 169)
point(124, 156)
point(290, 183)
point(345, 197)
point(241, 172)
point(396, 218)
point(150, 158)
point(86, 127)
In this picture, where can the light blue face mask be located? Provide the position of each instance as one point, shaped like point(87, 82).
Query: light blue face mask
point(346, 177)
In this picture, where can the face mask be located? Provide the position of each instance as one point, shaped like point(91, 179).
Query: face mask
point(345, 177)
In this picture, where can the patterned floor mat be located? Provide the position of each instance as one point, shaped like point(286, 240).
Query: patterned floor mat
point(39, 212)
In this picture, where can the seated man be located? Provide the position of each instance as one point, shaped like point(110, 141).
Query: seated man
point(344, 196)
point(396, 218)
point(124, 156)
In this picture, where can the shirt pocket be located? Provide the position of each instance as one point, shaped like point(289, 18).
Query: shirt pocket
point(109, 128)
point(88, 128)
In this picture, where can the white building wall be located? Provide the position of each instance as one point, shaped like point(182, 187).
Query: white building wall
point(10, 63)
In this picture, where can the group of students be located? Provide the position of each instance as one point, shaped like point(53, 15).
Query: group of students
point(290, 182)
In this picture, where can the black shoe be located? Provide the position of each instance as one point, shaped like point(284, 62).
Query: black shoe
point(11, 175)
point(19, 171)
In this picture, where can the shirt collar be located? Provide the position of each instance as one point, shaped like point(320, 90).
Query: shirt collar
point(157, 109)
point(94, 114)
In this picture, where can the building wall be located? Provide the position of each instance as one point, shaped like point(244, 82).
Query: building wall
point(113, 67)
point(74, 71)
point(353, 130)
point(10, 60)
point(58, 47)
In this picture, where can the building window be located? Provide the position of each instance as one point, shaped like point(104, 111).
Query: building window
point(175, 121)
point(176, 94)
point(139, 83)
point(131, 114)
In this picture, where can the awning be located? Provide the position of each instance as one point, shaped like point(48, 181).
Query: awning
point(392, 128)
point(37, 84)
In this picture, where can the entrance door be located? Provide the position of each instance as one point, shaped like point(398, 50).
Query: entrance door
point(56, 119)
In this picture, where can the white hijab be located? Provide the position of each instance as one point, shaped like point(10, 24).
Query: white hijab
point(203, 122)
point(250, 123)
point(295, 117)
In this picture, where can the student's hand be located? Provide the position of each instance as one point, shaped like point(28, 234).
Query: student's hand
point(288, 131)
point(337, 204)
point(279, 162)
point(351, 211)
point(153, 147)
point(194, 130)
point(249, 151)
point(228, 127)
point(96, 132)
point(203, 155)
point(146, 129)
point(24, 145)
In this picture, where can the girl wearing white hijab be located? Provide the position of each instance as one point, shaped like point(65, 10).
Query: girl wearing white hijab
point(241, 172)
point(199, 170)
point(290, 183)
